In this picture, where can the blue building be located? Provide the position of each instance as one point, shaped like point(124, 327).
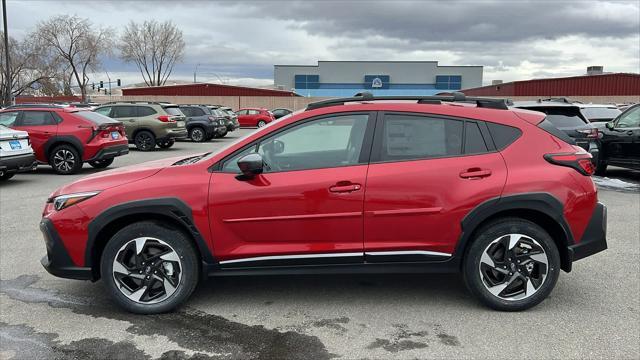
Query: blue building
point(346, 78)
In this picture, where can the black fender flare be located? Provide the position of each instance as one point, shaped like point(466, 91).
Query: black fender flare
point(541, 202)
point(171, 207)
point(54, 141)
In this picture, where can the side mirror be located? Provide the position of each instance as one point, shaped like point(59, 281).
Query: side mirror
point(251, 165)
point(610, 125)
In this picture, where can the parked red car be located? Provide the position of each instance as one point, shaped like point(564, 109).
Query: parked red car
point(250, 117)
point(366, 187)
point(65, 138)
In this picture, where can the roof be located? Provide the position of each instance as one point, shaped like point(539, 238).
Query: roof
point(612, 84)
point(205, 89)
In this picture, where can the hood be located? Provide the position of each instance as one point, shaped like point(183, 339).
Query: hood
point(120, 176)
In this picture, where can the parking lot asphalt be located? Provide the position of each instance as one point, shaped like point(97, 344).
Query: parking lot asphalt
point(594, 311)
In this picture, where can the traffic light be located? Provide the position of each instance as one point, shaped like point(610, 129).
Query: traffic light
point(93, 86)
point(101, 84)
point(118, 82)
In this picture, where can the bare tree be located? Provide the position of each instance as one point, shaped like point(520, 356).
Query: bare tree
point(78, 43)
point(31, 65)
point(154, 47)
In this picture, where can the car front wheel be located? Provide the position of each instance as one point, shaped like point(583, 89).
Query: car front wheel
point(165, 144)
point(197, 134)
point(512, 265)
point(101, 164)
point(149, 267)
point(261, 123)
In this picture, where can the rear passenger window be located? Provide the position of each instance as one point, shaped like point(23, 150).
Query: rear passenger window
point(35, 118)
point(196, 111)
point(503, 135)
point(145, 111)
point(124, 112)
point(473, 140)
point(408, 137)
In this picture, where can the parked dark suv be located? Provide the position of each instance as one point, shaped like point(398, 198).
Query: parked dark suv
point(568, 117)
point(350, 185)
point(202, 123)
point(620, 141)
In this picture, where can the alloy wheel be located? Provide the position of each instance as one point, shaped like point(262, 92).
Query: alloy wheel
point(261, 123)
point(147, 270)
point(513, 267)
point(64, 160)
point(197, 134)
point(143, 141)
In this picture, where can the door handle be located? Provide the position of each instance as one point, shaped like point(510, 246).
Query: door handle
point(475, 173)
point(630, 132)
point(345, 187)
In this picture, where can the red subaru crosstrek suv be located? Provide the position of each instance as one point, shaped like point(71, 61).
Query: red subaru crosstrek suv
point(65, 138)
point(250, 117)
point(355, 185)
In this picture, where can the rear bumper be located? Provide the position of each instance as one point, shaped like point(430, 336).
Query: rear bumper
point(176, 133)
point(594, 239)
point(110, 152)
point(18, 163)
point(57, 261)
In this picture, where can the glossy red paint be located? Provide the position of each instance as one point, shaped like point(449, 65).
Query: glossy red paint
point(251, 117)
point(388, 206)
point(86, 136)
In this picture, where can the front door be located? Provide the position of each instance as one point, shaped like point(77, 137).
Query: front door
point(426, 173)
point(306, 207)
point(623, 146)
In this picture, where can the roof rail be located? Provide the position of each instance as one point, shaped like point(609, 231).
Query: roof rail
point(489, 103)
point(137, 102)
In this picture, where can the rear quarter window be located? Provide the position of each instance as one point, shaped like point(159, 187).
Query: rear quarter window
point(173, 110)
point(503, 135)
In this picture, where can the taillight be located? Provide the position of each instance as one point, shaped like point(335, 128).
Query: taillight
point(211, 118)
point(166, 118)
point(579, 160)
point(591, 133)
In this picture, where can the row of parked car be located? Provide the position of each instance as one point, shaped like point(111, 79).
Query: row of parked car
point(66, 136)
point(609, 134)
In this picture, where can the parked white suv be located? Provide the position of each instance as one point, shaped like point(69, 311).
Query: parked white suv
point(16, 154)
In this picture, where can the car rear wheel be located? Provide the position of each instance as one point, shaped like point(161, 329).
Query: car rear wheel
point(197, 134)
point(165, 144)
point(149, 267)
point(101, 164)
point(261, 123)
point(65, 160)
point(145, 141)
point(512, 265)
point(222, 134)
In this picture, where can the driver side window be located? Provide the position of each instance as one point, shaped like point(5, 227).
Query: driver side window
point(324, 143)
point(630, 119)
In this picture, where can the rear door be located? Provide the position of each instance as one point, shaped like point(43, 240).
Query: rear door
point(128, 115)
point(41, 126)
point(426, 173)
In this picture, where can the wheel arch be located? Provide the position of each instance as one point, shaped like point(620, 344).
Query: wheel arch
point(542, 209)
point(170, 211)
point(56, 141)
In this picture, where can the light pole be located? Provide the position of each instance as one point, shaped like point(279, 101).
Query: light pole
point(7, 97)
point(194, 71)
point(108, 78)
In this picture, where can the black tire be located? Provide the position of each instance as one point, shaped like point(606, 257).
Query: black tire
point(490, 238)
point(145, 140)
point(224, 133)
point(6, 176)
point(101, 164)
point(261, 123)
point(198, 134)
point(65, 160)
point(601, 168)
point(167, 143)
point(187, 268)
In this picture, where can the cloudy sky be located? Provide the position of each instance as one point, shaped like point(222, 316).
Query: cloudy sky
point(239, 42)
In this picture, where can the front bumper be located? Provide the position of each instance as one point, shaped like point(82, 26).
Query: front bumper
point(57, 261)
point(110, 152)
point(18, 163)
point(594, 239)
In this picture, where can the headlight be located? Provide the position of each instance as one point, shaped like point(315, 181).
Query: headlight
point(64, 201)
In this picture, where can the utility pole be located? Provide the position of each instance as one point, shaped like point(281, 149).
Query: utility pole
point(7, 97)
point(108, 78)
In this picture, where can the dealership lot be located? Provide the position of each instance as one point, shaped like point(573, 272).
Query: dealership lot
point(593, 312)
